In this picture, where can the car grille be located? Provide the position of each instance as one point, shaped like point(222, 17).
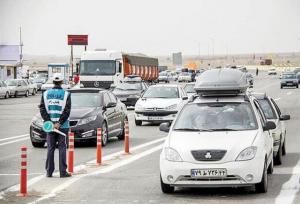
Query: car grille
point(97, 84)
point(157, 113)
point(73, 123)
point(208, 155)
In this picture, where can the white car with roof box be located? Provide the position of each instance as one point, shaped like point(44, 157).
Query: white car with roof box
point(273, 113)
point(219, 139)
point(160, 103)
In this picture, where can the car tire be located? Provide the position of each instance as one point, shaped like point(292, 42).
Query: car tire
point(122, 135)
point(104, 134)
point(38, 144)
point(262, 187)
point(297, 86)
point(166, 188)
point(283, 148)
point(27, 93)
point(138, 122)
point(16, 94)
point(281, 87)
point(6, 95)
point(34, 92)
point(271, 166)
point(278, 157)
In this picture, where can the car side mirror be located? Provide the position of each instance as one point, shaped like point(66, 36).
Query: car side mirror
point(185, 98)
point(285, 117)
point(165, 127)
point(111, 105)
point(270, 125)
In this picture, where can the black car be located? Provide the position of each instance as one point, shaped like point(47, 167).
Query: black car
point(129, 92)
point(91, 109)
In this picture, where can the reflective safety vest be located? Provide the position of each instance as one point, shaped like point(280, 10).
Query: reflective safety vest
point(55, 102)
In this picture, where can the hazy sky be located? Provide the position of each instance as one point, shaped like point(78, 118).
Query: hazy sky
point(154, 27)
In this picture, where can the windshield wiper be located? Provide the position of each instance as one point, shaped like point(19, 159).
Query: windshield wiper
point(224, 129)
point(193, 129)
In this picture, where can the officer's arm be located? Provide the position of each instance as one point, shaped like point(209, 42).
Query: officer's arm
point(66, 113)
point(43, 110)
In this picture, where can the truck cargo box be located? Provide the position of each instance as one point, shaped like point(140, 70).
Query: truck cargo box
point(225, 81)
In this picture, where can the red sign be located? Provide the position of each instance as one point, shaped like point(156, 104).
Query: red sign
point(77, 39)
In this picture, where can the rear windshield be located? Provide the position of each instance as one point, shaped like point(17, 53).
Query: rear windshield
point(216, 117)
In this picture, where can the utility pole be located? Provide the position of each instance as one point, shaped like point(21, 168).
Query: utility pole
point(21, 48)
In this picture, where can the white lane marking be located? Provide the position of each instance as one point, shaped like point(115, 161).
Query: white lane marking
point(277, 99)
point(290, 188)
point(80, 166)
point(289, 93)
point(101, 171)
point(287, 170)
point(14, 137)
point(18, 140)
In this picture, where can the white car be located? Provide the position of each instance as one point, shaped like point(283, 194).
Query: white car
point(4, 90)
point(18, 87)
point(184, 77)
point(33, 87)
point(189, 89)
point(272, 72)
point(273, 113)
point(49, 85)
point(218, 141)
point(160, 103)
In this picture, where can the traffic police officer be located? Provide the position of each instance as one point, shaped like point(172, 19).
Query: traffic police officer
point(55, 107)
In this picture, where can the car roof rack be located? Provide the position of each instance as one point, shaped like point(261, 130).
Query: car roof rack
point(221, 82)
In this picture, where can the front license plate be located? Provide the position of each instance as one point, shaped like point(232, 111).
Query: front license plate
point(155, 118)
point(289, 84)
point(208, 173)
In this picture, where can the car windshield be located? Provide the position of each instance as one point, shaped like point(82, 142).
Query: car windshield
point(189, 88)
point(97, 67)
point(289, 76)
point(267, 108)
point(161, 92)
point(163, 74)
point(216, 117)
point(11, 83)
point(129, 86)
point(79, 100)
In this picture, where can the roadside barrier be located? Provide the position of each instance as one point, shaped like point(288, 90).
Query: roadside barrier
point(71, 153)
point(99, 146)
point(23, 179)
point(126, 140)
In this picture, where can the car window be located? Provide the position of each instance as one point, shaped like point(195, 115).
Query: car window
point(217, 116)
point(112, 97)
point(161, 92)
point(79, 100)
point(106, 98)
point(276, 106)
point(23, 83)
point(189, 88)
point(260, 114)
point(267, 108)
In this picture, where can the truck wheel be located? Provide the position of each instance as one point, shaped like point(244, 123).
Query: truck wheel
point(166, 188)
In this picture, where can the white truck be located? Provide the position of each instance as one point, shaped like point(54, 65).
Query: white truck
point(101, 68)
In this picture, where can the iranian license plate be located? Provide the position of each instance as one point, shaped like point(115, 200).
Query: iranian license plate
point(289, 84)
point(155, 118)
point(208, 173)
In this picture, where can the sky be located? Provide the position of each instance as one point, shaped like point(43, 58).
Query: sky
point(153, 27)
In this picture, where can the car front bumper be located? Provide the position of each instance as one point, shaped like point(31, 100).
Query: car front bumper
point(155, 116)
point(237, 173)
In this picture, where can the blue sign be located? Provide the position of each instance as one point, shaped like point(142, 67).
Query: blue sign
point(48, 126)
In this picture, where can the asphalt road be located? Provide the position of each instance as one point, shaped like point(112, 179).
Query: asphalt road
point(135, 178)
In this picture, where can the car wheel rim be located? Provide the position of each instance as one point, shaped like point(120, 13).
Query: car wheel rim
point(104, 134)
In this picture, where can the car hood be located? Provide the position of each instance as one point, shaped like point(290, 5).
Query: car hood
point(126, 92)
point(285, 80)
point(231, 141)
point(157, 102)
point(79, 113)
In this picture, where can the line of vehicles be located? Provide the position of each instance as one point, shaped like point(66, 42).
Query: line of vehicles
point(220, 134)
point(18, 87)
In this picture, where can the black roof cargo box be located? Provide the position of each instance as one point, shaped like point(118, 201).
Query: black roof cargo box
point(225, 81)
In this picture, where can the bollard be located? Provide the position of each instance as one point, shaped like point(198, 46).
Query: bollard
point(71, 153)
point(23, 179)
point(99, 146)
point(126, 140)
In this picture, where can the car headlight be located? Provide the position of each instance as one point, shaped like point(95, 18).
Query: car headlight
point(171, 107)
point(138, 107)
point(172, 155)
point(247, 154)
point(37, 121)
point(87, 120)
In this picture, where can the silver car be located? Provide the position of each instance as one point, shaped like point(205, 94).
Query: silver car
point(4, 91)
point(18, 87)
point(33, 87)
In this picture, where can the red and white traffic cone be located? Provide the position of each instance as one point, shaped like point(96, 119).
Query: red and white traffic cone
point(71, 153)
point(99, 146)
point(23, 177)
point(126, 140)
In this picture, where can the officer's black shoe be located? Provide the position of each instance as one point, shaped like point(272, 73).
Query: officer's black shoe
point(48, 175)
point(66, 175)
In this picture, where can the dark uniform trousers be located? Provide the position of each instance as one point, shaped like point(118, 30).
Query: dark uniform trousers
point(53, 139)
